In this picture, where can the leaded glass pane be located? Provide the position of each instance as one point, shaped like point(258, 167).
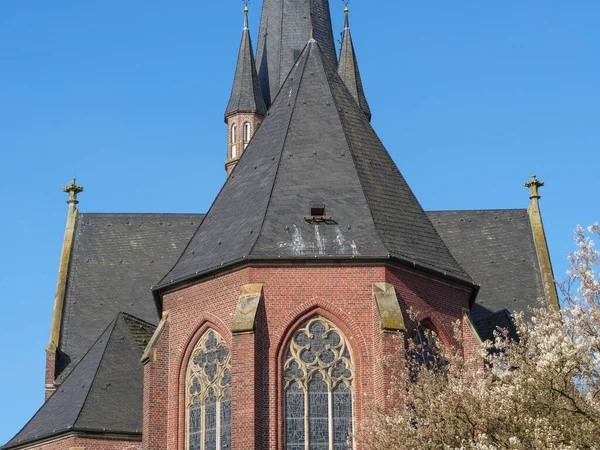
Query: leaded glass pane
point(294, 418)
point(318, 413)
point(317, 360)
point(226, 420)
point(195, 432)
point(208, 394)
point(342, 417)
point(210, 421)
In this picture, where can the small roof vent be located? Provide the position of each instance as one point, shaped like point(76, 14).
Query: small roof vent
point(317, 213)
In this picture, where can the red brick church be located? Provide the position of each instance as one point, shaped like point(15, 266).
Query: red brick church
point(261, 324)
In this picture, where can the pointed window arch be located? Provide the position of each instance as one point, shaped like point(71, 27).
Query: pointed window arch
point(208, 395)
point(318, 378)
point(426, 346)
point(234, 141)
point(247, 134)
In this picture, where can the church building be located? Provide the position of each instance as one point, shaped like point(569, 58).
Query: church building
point(261, 324)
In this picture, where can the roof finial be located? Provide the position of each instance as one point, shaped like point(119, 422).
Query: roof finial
point(534, 187)
point(246, 11)
point(312, 33)
point(346, 11)
point(73, 190)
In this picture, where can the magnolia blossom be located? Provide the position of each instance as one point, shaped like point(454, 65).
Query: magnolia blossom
point(540, 391)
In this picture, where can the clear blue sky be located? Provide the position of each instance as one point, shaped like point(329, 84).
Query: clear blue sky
point(470, 97)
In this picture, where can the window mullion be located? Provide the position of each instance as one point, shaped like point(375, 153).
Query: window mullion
point(330, 416)
point(218, 423)
point(202, 427)
point(306, 430)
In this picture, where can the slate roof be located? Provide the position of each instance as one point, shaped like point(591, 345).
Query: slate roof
point(348, 70)
point(103, 393)
point(285, 29)
point(246, 95)
point(497, 249)
point(115, 261)
point(315, 145)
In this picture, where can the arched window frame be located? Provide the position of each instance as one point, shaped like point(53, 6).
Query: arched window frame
point(208, 385)
point(428, 344)
point(247, 133)
point(332, 368)
point(234, 141)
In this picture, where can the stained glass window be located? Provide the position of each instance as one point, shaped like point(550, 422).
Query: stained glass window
point(208, 395)
point(318, 374)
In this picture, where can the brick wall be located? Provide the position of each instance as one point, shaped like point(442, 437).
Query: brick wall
point(87, 443)
point(292, 294)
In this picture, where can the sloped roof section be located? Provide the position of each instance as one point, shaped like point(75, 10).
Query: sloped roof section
point(246, 95)
point(116, 260)
point(315, 145)
point(348, 70)
point(285, 27)
point(104, 392)
point(497, 249)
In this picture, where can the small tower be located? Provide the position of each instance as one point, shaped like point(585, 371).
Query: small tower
point(348, 68)
point(246, 108)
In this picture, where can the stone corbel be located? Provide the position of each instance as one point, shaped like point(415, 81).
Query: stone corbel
point(389, 308)
point(245, 312)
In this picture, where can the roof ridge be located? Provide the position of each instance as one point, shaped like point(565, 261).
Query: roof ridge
point(113, 324)
point(381, 233)
point(353, 156)
point(55, 393)
point(131, 316)
point(287, 131)
point(138, 214)
point(475, 210)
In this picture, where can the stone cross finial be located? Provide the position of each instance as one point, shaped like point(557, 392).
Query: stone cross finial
point(534, 186)
point(73, 190)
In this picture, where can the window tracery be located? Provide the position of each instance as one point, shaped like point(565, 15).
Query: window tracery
point(208, 395)
point(318, 375)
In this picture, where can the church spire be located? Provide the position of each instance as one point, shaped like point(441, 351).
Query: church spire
point(285, 28)
point(348, 68)
point(246, 107)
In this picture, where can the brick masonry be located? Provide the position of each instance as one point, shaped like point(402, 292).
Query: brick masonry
point(292, 294)
point(74, 442)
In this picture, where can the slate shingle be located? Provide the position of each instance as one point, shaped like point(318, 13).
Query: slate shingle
point(115, 261)
point(246, 95)
point(315, 145)
point(284, 31)
point(103, 392)
point(349, 72)
point(497, 249)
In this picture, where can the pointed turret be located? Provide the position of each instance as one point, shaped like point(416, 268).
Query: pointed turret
point(246, 107)
point(348, 69)
point(285, 27)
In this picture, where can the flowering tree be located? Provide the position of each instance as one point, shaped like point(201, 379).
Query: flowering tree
point(541, 391)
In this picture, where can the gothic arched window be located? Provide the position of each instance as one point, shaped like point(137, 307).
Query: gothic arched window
point(208, 395)
point(425, 347)
point(318, 374)
point(233, 140)
point(246, 134)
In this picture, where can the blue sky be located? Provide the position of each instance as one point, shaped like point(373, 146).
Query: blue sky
point(470, 97)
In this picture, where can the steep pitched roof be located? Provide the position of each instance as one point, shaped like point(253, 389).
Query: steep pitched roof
point(246, 95)
point(285, 27)
point(497, 249)
point(104, 391)
point(348, 70)
point(315, 145)
point(115, 261)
